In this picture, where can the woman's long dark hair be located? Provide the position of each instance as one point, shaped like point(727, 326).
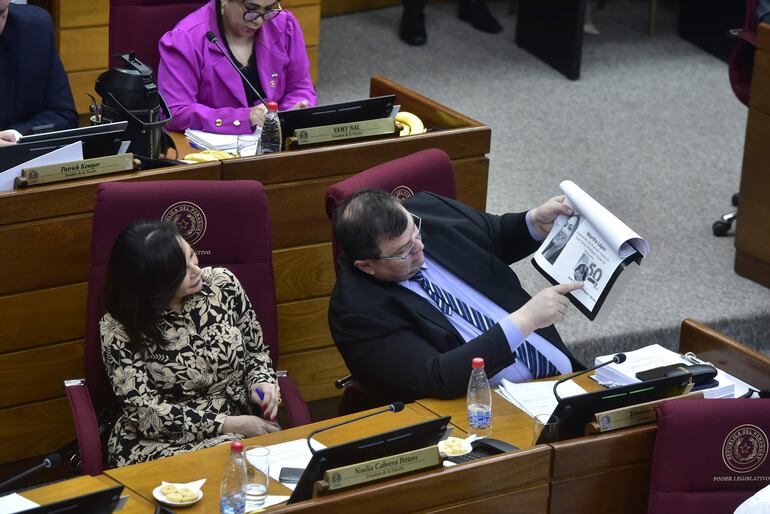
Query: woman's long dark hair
point(146, 267)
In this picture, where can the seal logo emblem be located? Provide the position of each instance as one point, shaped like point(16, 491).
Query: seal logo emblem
point(190, 219)
point(745, 448)
point(402, 193)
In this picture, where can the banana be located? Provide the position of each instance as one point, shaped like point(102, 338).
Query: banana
point(414, 124)
point(208, 156)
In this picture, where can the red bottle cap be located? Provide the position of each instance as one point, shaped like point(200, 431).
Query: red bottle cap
point(236, 446)
point(272, 106)
point(477, 362)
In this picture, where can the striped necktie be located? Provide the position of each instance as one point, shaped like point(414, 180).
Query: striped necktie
point(537, 363)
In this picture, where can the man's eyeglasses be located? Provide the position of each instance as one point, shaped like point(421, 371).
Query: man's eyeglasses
point(402, 256)
point(254, 13)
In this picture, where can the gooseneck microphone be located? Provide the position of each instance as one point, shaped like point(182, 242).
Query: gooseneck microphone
point(49, 462)
point(393, 407)
point(617, 359)
point(213, 38)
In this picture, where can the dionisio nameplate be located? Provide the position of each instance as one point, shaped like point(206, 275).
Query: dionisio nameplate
point(376, 469)
point(342, 131)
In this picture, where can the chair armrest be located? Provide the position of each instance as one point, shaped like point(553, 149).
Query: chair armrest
point(296, 408)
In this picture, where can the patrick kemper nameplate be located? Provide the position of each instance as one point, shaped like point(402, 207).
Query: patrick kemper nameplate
point(342, 131)
point(75, 169)
point(376, 469)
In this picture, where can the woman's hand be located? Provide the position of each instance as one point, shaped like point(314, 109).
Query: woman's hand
point(271, 399)
point(257, 115)
point(248, 426)
point(302, 104)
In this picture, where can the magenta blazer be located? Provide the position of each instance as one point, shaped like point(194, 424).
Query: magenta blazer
point(202, 89)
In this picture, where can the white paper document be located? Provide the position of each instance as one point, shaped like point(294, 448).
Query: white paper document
point(69, 153)
point(592, 246)
point(537, 397)
point(214, 141)
point(15, 503)
point(291, 454)
point(655, 356)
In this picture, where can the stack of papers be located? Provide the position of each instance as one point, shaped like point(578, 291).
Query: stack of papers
point(212, 141)
point(291, 454)
point(655, 356)
point(537, 397)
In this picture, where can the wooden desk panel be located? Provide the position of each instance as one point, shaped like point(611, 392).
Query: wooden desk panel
point(752, 244)
point(84, 485)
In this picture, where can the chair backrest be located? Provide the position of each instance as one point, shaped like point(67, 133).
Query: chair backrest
point(427, 170)
point(709, 456)
point(138, 25)
point(228, 224)
point(741, 64)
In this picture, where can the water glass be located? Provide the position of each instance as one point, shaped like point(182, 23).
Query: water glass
point(248, 145)
point(546, 429)
point(257, 459)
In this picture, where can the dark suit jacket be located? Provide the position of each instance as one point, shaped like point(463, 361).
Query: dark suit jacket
point(34, 87)
point(397, 344)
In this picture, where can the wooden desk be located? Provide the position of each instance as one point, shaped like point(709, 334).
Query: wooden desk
point(210, 463)
point(45, 242)
point(84, 485)
point(515, 482)
point(752, 244)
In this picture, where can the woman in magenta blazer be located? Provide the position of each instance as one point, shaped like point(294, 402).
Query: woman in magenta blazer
point(202, 89)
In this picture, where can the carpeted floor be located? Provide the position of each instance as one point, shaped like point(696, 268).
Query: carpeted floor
point(652, 130)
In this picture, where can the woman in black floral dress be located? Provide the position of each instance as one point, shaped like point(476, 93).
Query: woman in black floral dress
point(183, 349)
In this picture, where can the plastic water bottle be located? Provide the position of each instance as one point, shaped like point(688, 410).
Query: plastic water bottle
point(271, 130)
point(479, 400)
point(232, 495)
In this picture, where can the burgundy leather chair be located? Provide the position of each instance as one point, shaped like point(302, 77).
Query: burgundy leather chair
point(709, 456)
point(228, 224)
point(427, 170)
point(138, 25)
point(740, 69)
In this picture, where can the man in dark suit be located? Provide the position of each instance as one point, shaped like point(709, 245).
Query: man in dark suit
point(424, 287)
point(35, 90)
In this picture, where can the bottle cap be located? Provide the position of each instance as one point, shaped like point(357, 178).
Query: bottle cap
point(477, 362)
point(236, 446)
point(272, 106)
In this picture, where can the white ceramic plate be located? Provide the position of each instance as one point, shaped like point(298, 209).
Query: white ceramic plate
point(466, 447)
point(162, 499)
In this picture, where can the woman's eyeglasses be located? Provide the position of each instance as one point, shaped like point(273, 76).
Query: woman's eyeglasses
point(267, 13)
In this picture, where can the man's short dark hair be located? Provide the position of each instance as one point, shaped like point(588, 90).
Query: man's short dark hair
point(366, 218)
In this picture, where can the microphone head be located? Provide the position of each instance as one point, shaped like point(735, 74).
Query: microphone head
point(211, 36)
point(621, 357)
point(397, 406)
point(53, 460)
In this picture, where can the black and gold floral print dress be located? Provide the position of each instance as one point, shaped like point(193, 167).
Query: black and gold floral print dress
point(176, 397)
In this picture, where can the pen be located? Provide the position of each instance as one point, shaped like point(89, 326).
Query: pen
point(260, 393)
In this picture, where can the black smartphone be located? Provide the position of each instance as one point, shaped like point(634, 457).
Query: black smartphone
point(290, 475)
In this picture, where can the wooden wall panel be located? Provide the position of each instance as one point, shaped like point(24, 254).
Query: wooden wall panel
point(83, 13)
point(35, 429)
point(84, 49)
point(312, 55)
point(471, 180)
point(315, 372)
point(45, 254)
point(335, 7)
point(309, 18)
point(297, 212)
point(619, 490)
point(303, 272)
point(35, 375)
point(42, 317)
point(303, 325)
point(528, 501)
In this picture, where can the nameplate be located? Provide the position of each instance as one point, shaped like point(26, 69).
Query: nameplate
point(343, 131)
point(634, 414)
point(75, 169)
point(376, 469)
